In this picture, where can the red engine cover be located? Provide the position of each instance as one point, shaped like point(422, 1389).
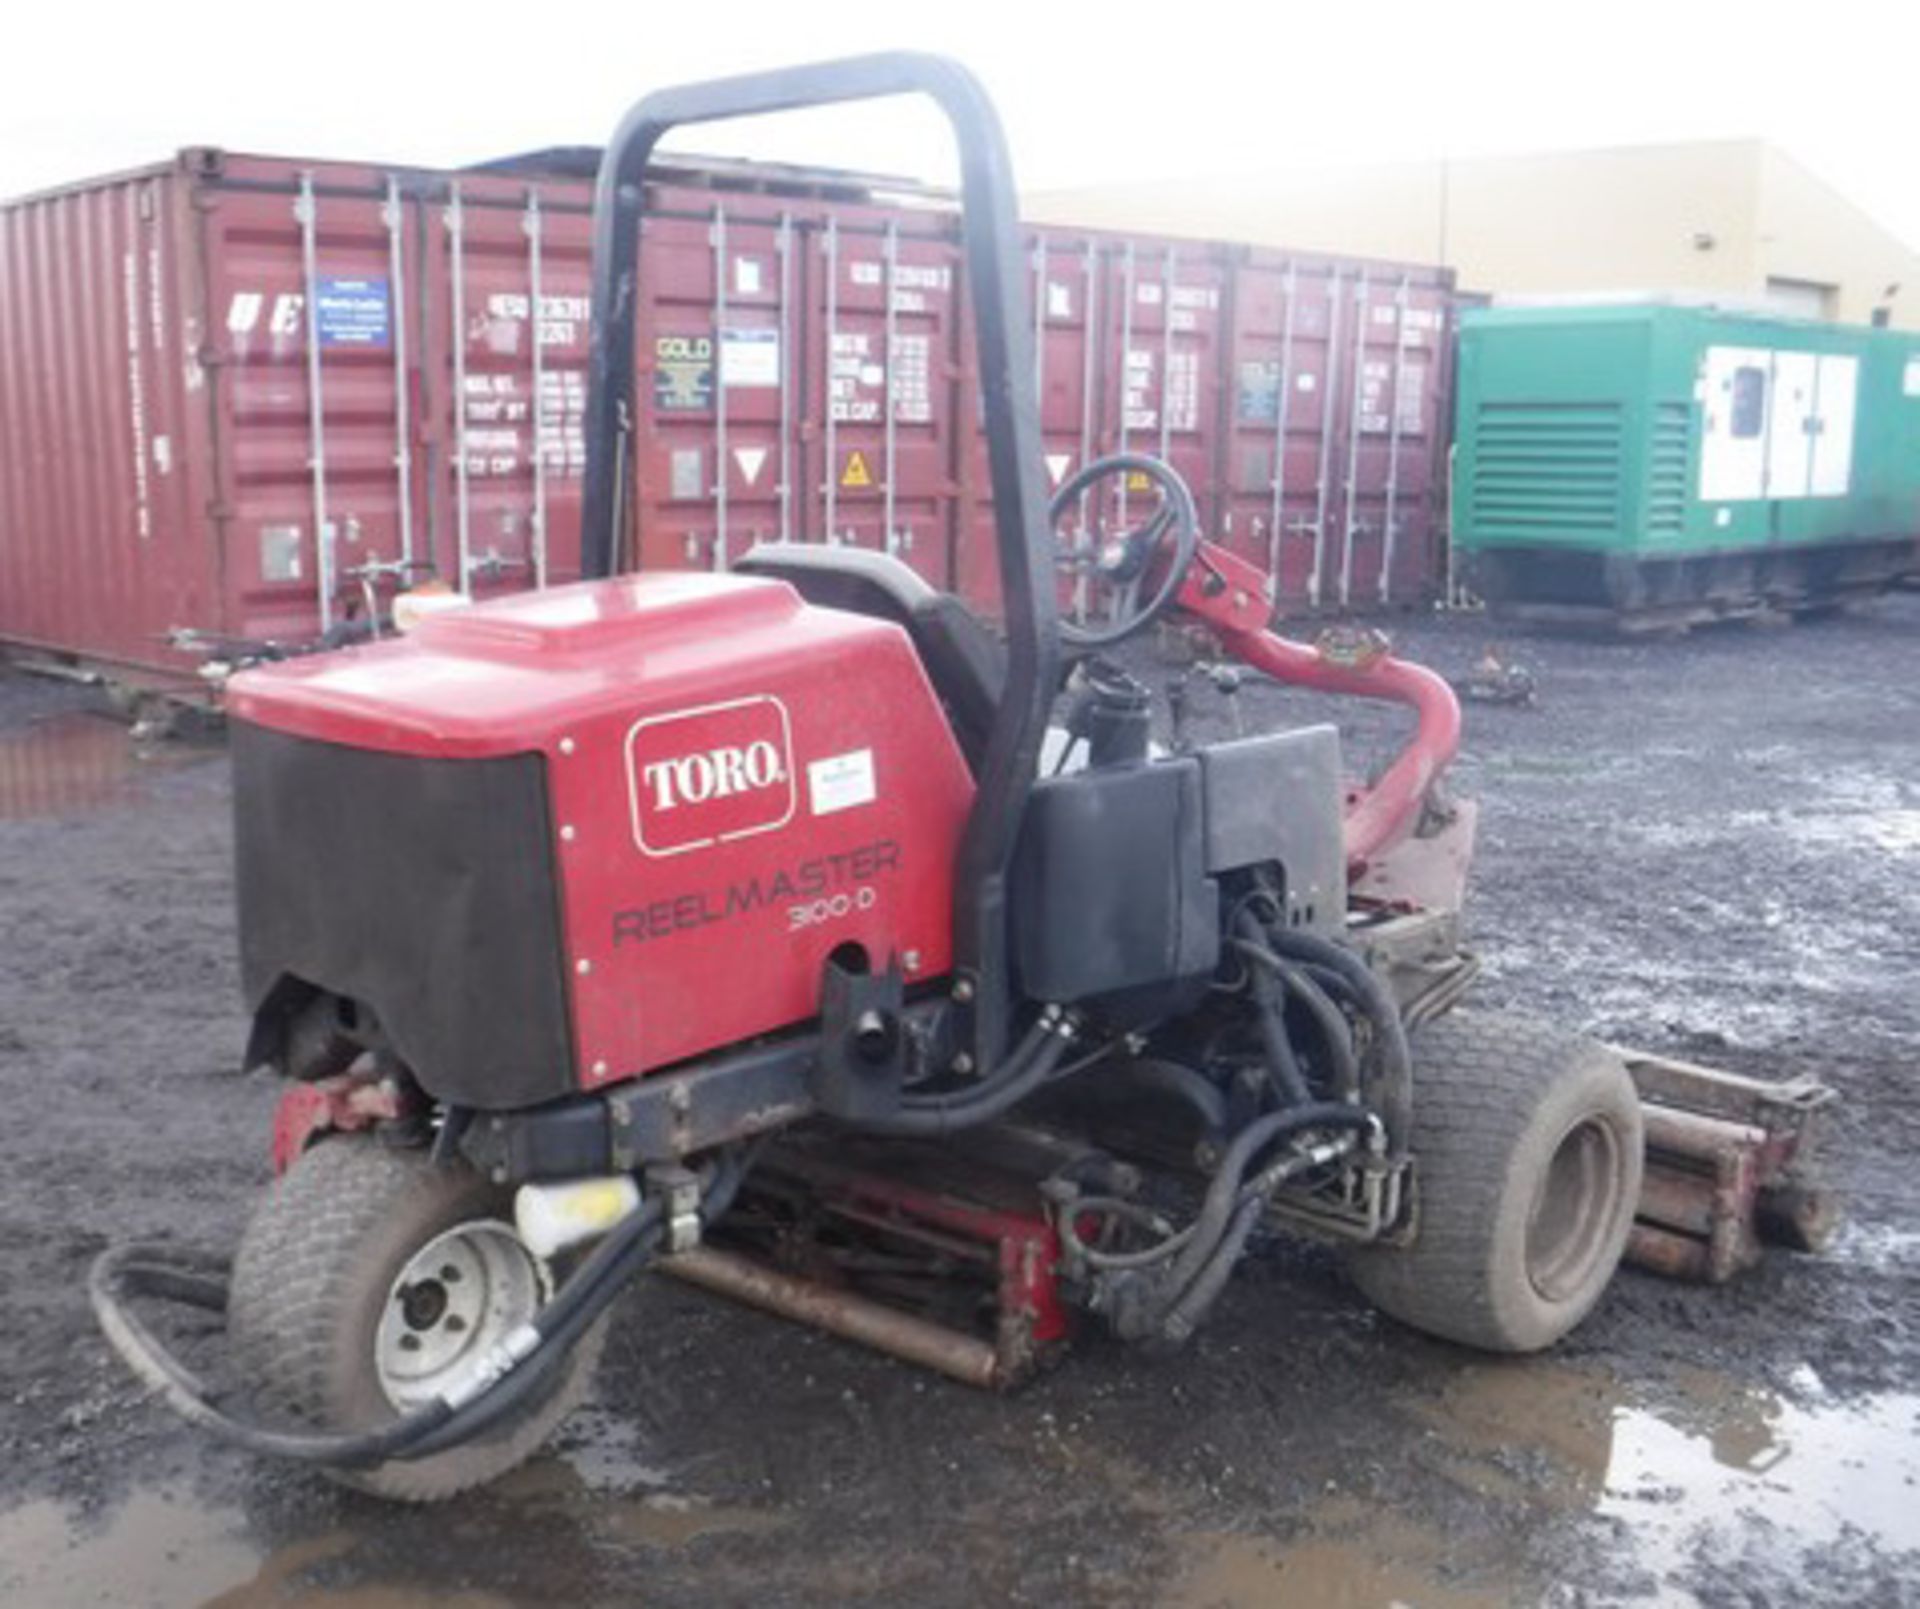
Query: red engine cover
point(740, 783)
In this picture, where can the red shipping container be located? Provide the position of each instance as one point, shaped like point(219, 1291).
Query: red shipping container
point(101, 466)
point(808, 349)
point(183, 450)
point(1178, 349)
point(883, 333)
point(716, 449)
point(1337, 421)
point(504, 379)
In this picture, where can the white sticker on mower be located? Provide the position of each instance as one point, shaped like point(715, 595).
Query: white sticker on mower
point(841, 782)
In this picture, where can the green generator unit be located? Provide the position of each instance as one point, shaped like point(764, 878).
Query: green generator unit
point(1654, 463)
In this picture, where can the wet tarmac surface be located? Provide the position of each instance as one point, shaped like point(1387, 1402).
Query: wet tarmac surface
point(1709, 847)
point(75, 760)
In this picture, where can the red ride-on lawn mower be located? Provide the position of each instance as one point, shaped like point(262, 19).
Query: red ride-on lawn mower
point(732, 926)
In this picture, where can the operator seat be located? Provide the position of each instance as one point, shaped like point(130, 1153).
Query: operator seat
point(963, 660)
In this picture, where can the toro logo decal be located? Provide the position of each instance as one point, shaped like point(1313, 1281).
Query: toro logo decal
point(706, 776)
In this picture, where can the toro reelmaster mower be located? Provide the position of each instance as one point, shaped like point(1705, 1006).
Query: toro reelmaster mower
point(787, 932)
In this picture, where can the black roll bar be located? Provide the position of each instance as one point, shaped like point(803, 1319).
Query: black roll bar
point(995, 276)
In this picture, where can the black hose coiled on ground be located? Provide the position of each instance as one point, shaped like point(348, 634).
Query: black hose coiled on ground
point(197, 1279)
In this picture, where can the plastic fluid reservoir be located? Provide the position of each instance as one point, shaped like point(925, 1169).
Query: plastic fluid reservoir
point(552, 1217)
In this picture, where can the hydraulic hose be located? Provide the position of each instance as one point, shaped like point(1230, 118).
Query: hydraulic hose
point(1131, 1211)
point(132, 1270)
point(1269, 1002)
point(1223, 1197)
point(497, 1399)
point(522, 1363)
point(1304, 986)
point(1343, 1065)
point(1203, 1290)
point(1173, 1282)
point(1030, 1065)
point(1395, 1096)
point(604, 1279)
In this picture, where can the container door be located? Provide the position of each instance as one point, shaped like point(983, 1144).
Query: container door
point(716, 388)
point(1395, 421)
point(104, 496)
point(1833, 426)
point(1734, 394)
point(512, 304)
point(1164, 321)
point(1066, 296)
point(1416, 534)
point(1263, 376)
point(1282, 468)
point(308, 279)
point(882, 392)
point(1791, 422)
point(173, 581)
point(1065, 291)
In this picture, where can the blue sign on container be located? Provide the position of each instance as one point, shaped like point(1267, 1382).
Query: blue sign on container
point(352, 312)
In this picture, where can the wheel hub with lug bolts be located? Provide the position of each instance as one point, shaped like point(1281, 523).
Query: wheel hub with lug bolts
point(456, 1299)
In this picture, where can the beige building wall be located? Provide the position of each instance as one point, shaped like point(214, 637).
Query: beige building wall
point(1650, 219)
point(1721, 217)
point(1808, 232)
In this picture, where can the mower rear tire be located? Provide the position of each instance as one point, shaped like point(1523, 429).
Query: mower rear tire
point(1527, 1151)
point(366, 1281)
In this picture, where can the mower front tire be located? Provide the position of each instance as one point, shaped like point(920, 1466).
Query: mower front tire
point(367, 1280)
point(1527, 1155)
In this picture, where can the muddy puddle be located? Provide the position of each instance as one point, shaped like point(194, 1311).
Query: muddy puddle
point(1795, 1480)
point(79, 761)
point(594, 1499)
point(1670, 1483)
point(155, 1549)
point(1674, 1484)
point(1693, 1470)
point(164, 1550)
point(1355, 1558)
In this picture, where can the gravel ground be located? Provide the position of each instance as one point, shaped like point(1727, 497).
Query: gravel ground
point(1708, 846)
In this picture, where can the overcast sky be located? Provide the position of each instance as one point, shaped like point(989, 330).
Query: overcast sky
point(1088, 92)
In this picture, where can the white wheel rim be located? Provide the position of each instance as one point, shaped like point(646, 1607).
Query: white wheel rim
point(456, 1299)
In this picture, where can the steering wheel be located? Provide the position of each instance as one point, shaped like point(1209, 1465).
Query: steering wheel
point(1120, 564)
